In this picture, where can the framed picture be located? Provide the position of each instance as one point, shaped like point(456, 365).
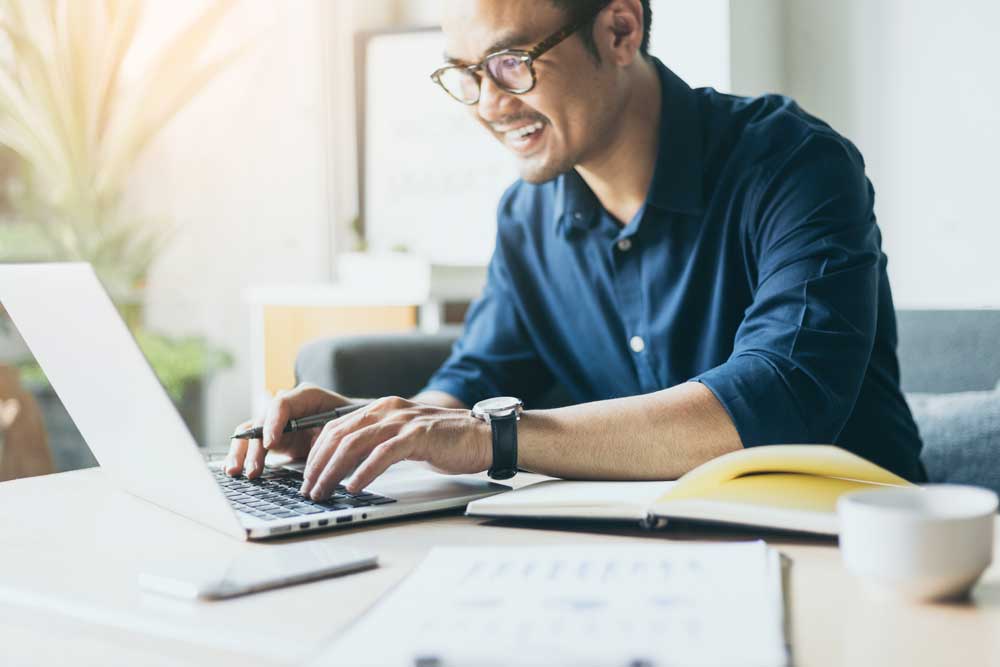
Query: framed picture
point(430, 176)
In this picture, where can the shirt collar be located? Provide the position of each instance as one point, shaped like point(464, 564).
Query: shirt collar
point(677, 176)
point(679, 173)
point(576, 206)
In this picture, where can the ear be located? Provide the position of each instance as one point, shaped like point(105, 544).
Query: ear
point(8, 413)
point(619, 31)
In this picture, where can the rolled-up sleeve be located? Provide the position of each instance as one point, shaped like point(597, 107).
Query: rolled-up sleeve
point(813, 252)
point(494, 356)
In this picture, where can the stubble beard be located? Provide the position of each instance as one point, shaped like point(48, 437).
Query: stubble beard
point(537, 173)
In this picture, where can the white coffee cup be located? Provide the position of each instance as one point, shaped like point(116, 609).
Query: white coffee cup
point(921, 542)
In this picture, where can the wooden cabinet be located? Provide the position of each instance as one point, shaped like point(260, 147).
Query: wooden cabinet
point(287, 328)
point(376, 294)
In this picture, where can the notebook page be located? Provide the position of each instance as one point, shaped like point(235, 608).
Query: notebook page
point(563, 497)
point(623, 604)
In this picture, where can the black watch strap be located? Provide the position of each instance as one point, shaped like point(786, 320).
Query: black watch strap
point(504, 446)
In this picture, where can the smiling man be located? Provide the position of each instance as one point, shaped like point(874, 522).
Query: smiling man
point(701, 272)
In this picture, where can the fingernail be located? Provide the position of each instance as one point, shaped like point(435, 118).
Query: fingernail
point(304, 489)
point(316, 495)
point(251, 469)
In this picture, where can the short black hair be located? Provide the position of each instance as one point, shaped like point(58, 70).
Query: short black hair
point(577, 9)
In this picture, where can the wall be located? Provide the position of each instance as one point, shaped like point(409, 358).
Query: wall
point(257, 173)
point(693, 39)
point(913, 83)
point(243, 173)
point(757, 46)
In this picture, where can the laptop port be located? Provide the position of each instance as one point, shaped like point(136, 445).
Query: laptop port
point(304, 524)
point(322, 522)
point(344, 519)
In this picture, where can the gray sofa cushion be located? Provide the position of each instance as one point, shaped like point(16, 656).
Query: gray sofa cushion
point(961, 434)
point(371, 366)
point(948, 350)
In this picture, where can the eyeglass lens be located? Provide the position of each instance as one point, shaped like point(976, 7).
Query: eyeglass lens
point(461, 84)
point(509, 71)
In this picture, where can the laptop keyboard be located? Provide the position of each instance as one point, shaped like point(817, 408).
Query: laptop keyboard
point(275, 495)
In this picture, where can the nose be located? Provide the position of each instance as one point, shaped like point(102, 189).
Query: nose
point(494, 102)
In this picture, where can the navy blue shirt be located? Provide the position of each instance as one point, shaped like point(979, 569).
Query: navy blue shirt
point(754, 267)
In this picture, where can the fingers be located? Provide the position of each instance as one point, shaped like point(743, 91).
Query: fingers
point(328, 437)
point(279, 411)
point(253, 463)
point(345, 443)
point(305, 399)
point(233, 463)
point(391, 451)
point(344, 456)
point(327, 465)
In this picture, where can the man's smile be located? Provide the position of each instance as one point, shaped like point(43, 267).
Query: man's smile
point(523, 139)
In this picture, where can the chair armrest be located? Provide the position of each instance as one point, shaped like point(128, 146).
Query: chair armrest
point(371, 366)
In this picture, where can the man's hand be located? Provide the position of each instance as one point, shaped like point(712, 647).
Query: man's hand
point(304, 400)
point(368, 441)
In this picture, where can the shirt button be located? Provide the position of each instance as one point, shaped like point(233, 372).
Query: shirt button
point(637, 344)
point(578, 215)
point(625, 245)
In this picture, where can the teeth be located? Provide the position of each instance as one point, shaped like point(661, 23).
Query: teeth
point(524, 131)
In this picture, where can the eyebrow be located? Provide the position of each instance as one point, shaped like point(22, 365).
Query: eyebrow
point(500, 44)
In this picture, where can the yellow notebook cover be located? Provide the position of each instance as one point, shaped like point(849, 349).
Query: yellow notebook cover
point(795, 487)
point(789, 487)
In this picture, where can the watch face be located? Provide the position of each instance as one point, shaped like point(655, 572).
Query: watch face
point(500, 405)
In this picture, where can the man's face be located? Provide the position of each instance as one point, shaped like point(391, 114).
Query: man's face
point(556, 125)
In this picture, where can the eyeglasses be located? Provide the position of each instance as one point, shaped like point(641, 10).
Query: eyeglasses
point(512, 70)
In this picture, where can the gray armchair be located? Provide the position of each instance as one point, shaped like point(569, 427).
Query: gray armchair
point(950, 366)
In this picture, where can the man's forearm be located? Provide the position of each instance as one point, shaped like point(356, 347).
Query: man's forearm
point(654, 436)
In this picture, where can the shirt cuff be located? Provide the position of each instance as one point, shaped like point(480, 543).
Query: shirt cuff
point(758, 399)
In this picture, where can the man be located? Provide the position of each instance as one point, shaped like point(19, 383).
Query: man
point(701, 272)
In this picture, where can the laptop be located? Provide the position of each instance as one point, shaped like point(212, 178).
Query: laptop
point(123, 412)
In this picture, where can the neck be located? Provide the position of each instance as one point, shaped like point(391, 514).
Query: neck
point(620, 172)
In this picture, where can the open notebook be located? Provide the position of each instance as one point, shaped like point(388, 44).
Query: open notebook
point(789, 487)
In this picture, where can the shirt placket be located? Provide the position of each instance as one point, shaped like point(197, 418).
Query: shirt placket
point(628, 284)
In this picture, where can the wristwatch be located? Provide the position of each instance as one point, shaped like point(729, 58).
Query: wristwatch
point(502, 414)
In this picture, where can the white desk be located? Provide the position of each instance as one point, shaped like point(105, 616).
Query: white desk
point(71, 548)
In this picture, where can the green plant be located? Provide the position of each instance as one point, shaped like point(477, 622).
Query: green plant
point(77, 126)
point(73, 126)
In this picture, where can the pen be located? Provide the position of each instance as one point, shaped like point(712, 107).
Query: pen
point(302, 423)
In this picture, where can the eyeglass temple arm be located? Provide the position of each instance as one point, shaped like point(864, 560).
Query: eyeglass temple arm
point(559, 36)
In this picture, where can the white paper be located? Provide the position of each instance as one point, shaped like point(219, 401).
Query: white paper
point(624, 604)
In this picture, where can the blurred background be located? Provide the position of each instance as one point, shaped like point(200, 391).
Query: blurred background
point(248, 175)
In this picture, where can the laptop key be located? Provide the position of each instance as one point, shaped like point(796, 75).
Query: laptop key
point(383, 501)
point(333, 506)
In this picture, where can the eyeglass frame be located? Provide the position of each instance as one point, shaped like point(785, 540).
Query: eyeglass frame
point(527, 57)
